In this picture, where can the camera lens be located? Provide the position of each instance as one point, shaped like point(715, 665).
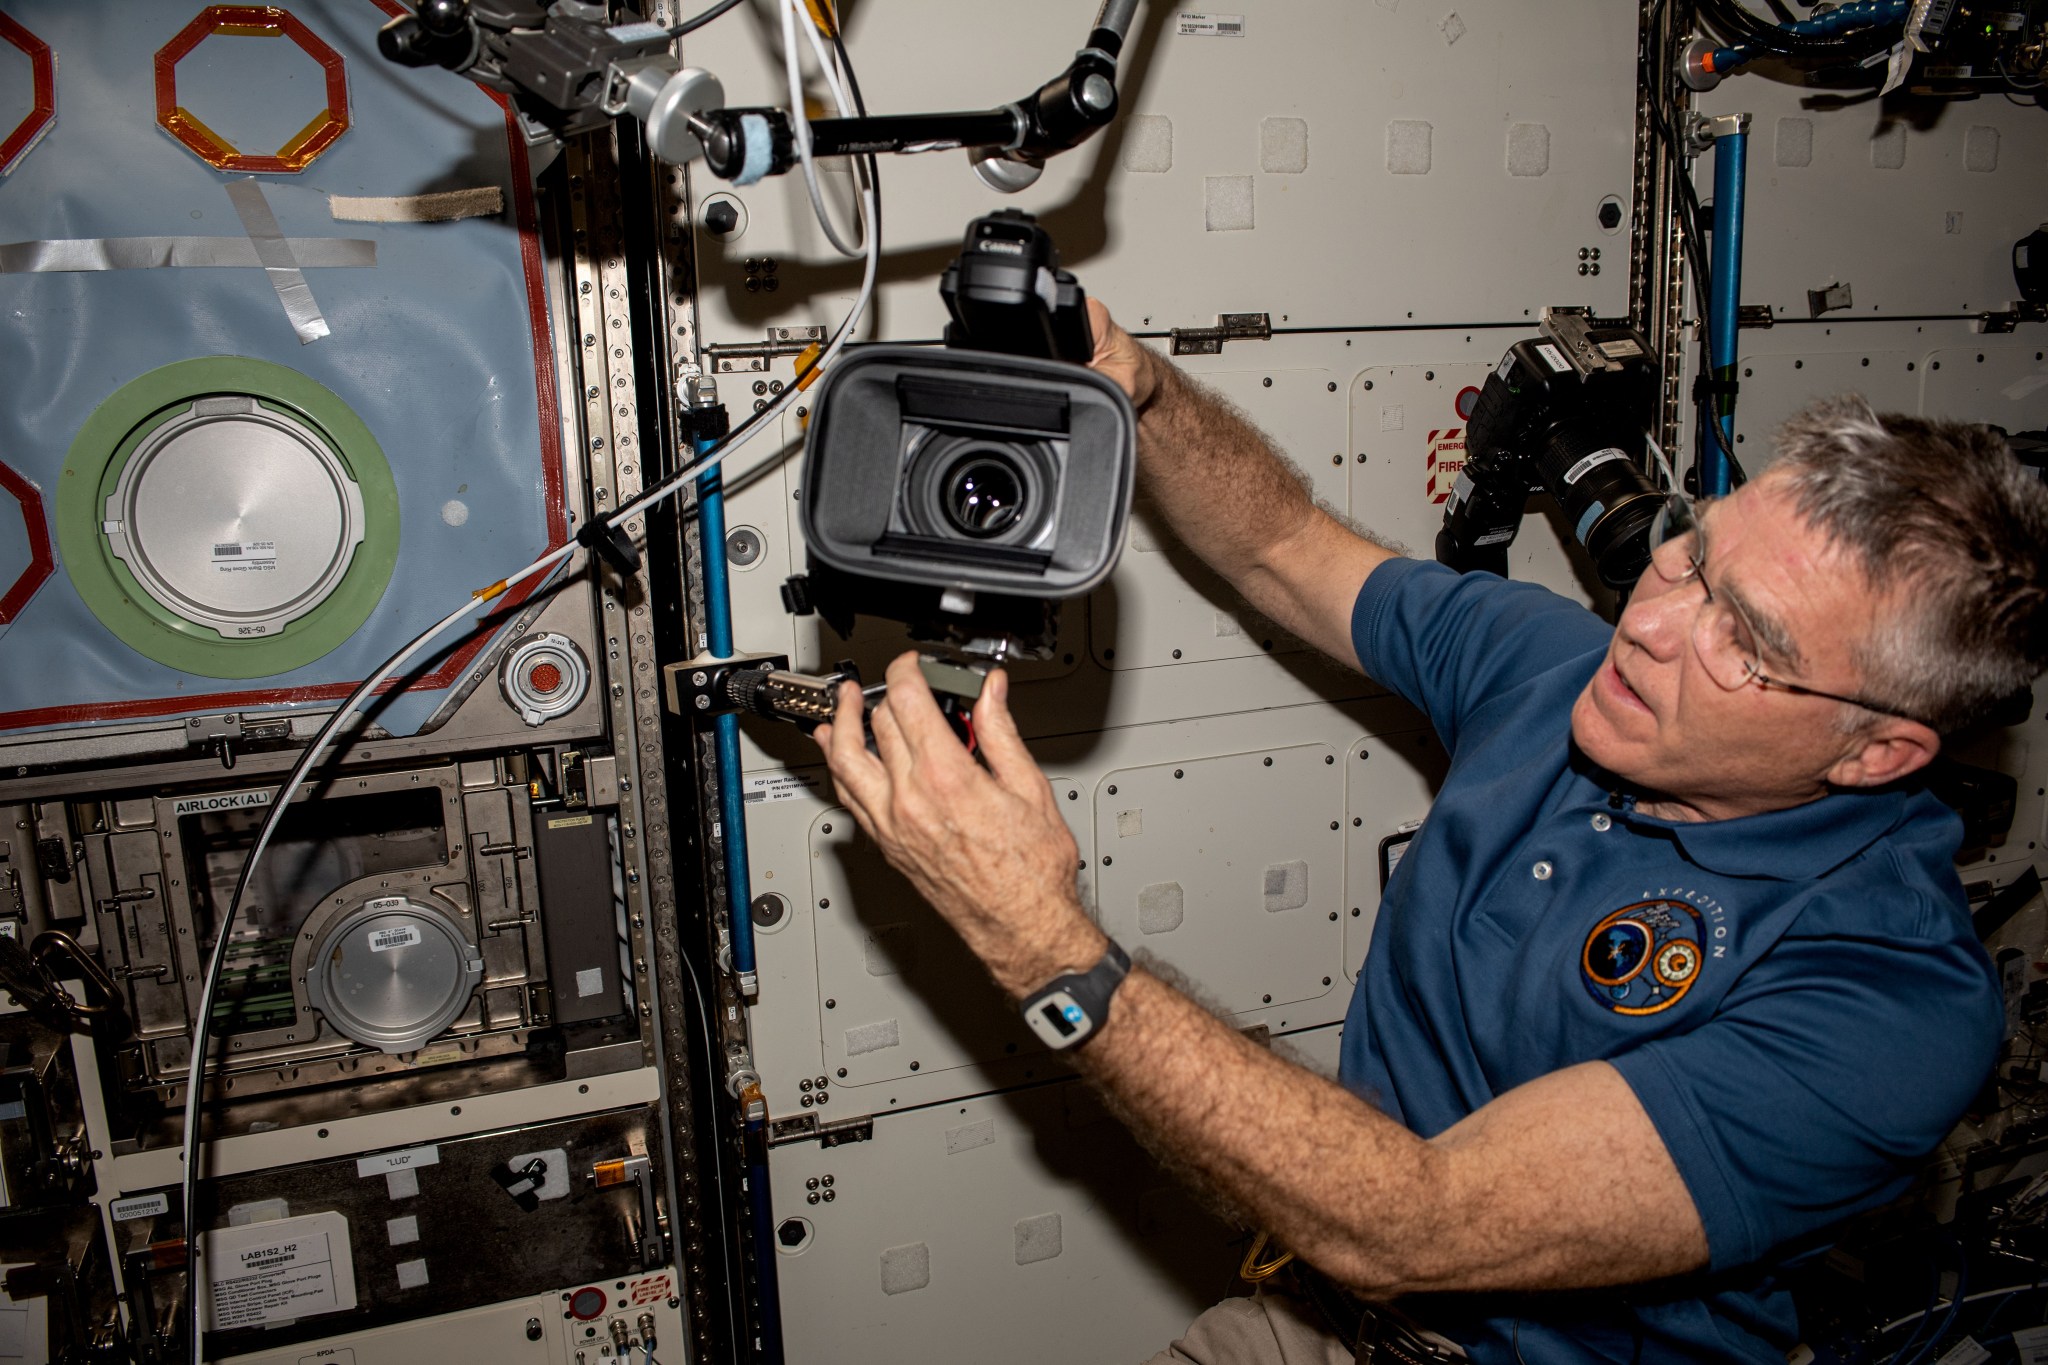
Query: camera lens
point(982, 495)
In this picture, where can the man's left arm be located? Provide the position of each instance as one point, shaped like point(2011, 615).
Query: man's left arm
point(1509, 1198)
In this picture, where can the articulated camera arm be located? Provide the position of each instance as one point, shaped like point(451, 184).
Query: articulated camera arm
point(571, 71)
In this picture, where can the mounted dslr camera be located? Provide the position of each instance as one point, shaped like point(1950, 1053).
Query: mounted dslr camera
point(967, 491)
point(1563, 413)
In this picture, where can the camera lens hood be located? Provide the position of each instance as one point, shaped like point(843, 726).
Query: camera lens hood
point(897, 435)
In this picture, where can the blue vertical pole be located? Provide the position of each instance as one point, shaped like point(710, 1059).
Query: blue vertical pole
point(1731, 156)
point(732, 816)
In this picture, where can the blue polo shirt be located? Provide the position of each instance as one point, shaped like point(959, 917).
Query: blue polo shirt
point(1797, 998)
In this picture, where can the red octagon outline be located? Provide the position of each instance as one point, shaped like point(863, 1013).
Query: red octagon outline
point(41, 562)
point(250, 21)
point(38, 119)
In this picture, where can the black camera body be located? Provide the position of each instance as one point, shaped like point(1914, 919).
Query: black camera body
point(1563, 413)
point(967, 490)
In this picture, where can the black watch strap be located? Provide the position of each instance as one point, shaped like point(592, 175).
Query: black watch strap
point(1068, 1010)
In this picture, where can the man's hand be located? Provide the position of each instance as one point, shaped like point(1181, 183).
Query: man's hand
point(987, 849)
point(1119, 357)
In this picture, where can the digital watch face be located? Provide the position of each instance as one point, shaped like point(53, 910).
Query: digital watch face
point(1058, 1020)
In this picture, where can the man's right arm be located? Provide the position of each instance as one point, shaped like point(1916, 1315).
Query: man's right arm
point(1234, 501)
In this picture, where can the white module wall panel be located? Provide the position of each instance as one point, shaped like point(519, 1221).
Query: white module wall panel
point(1914, 219)
point(901, 994)
point(1389, 782)
point(1164, 605)
point(1782, 380)
point(2001, 380)
point(1230, 869)
point(989, 1230)
point(1330, 164)
point(1931, 369)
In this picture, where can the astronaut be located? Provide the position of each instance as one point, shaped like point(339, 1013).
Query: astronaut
point(1677, 974)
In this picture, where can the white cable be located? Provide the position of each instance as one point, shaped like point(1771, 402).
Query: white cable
point(1943, 1306)
point(800, 121)
point(194, 1080)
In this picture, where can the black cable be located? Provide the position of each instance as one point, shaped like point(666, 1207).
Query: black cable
point(1751, 29)
point(692, 25)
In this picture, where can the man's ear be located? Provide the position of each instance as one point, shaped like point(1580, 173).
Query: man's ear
point(1892, 749)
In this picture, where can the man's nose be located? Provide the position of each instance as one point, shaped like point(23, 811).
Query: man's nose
point(1659, 616)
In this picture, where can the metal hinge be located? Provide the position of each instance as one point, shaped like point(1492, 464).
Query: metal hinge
point(1229, 327)
point(752, 357)
point(2006, 321)
point(859, 1128)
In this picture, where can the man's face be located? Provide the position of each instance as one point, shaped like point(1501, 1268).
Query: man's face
point(1653, 715)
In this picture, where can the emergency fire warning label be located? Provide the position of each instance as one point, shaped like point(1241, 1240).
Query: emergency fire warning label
point(279, 1271)
point(1444, 461)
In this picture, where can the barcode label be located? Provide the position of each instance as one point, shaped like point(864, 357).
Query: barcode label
point(140, 1206)
point(1211, 25)
point(245, 556)
point(398, 936)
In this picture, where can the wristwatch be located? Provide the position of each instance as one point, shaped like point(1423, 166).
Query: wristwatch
point(1067, 1011)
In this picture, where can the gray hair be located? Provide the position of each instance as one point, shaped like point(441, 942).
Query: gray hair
point(1945, 520)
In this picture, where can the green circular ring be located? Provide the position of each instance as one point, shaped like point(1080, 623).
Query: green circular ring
point(102, 449)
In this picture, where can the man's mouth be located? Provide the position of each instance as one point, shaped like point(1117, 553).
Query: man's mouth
point(1622, 692)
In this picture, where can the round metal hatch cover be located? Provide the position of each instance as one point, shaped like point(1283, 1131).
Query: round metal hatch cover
point(393, 974)
point(235, 516)
point(228, 517)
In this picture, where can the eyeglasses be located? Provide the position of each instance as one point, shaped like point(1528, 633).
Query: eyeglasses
point(1723, 635)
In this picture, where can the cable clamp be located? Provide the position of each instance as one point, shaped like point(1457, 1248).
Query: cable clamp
point(1704, 388)
point(611, 543)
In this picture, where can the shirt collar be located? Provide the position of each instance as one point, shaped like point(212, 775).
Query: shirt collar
point(1794, 844)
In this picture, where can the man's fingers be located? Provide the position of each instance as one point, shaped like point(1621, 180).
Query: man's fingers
point(916, 711)
point(896, 754)
point(1118, 357)
point(1001, 745)
point(863, 783)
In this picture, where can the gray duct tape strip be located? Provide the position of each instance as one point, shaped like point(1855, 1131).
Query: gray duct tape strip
point(158, 253)
point(278, 262)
